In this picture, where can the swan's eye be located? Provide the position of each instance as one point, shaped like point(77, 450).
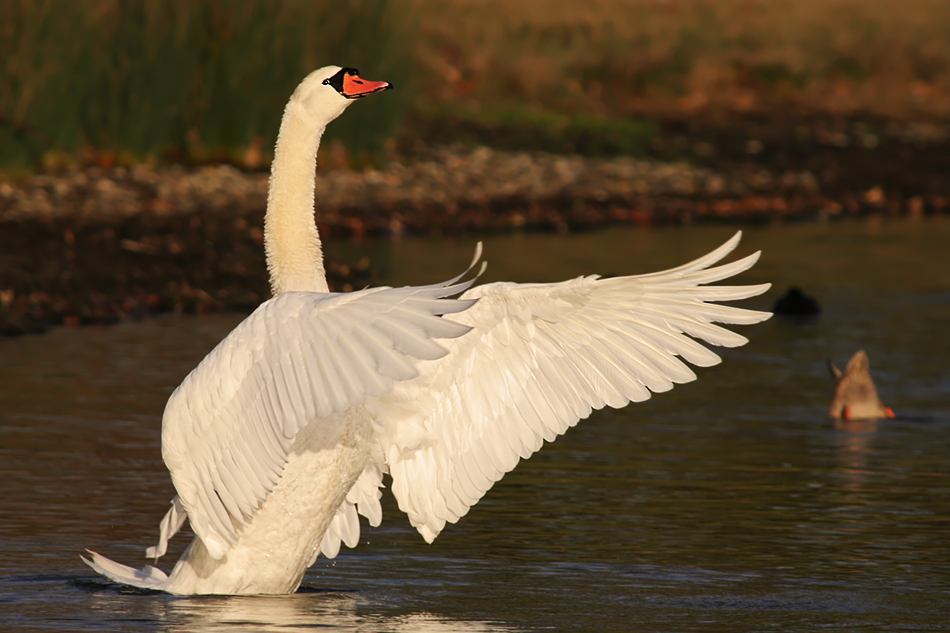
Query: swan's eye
point(326, 82)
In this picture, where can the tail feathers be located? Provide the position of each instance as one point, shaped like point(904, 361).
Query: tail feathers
point(146, 578)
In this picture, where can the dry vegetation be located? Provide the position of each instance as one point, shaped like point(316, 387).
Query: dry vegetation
point(618, 57)
point(206, 81)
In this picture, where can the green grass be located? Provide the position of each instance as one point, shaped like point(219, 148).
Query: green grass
point(195, 81)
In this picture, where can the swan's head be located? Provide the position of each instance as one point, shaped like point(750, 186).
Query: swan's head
point(326, 92)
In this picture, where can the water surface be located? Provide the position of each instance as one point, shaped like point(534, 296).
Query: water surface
point(731, 503)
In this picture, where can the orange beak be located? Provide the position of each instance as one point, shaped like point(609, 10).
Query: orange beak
point(354, 87)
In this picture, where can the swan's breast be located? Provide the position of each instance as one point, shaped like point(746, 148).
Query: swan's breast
point(280, 541)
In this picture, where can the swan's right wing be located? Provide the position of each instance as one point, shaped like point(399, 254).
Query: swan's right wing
point(539, 358)
point(299, 357)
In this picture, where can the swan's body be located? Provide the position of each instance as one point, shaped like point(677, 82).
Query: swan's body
point(284, 431)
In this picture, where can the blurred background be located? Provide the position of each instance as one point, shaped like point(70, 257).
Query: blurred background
point(197, 82)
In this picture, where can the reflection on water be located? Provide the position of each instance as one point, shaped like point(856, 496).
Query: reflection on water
point(304, 611)
point(854, 441)
point(299, 613)
point(731, 503)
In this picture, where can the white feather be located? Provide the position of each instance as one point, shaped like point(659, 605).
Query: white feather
point(540, 357)
point(211, 447)
point(281, 436)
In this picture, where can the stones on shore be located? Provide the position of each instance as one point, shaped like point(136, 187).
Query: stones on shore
point(91, 245)
point(453, 189)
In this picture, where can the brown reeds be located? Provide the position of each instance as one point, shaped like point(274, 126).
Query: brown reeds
point(617, 57)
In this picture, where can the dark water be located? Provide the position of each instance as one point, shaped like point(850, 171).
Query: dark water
point(729, 504)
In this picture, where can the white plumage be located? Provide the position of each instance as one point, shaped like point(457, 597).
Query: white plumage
point(300, 357)
point(282, 434)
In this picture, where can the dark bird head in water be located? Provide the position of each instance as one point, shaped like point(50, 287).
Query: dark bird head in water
point(855, 395)
point(795, 303)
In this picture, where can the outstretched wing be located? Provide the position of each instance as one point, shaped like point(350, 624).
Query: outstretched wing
point(539, 358)
point(299, 357)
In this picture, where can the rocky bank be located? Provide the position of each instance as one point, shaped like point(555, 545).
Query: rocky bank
point(96, 245)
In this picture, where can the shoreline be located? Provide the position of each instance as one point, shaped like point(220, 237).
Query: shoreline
point(93, 245)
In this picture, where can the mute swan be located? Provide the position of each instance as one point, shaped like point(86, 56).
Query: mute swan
point(282, 434)
point(855, 395)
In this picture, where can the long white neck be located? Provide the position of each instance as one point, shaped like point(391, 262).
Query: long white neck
point(291, 240)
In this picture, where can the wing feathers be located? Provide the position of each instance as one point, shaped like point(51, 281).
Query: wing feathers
point(409, 339)
point(299, 357)
point(540, 357)
point(698, 264)
point(518, 368)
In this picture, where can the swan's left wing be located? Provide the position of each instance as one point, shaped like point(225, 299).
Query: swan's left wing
point(539, 358)
point(299, 357)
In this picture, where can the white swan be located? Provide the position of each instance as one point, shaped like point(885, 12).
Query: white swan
point(282, 434)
